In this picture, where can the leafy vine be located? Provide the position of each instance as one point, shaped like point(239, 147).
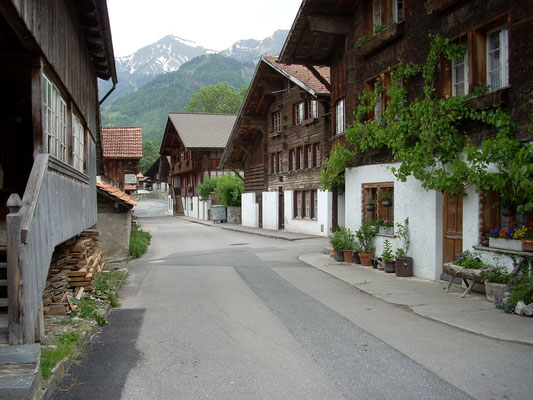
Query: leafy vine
point(427, 136)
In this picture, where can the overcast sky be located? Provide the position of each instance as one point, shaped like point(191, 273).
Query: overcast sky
point(214, 24)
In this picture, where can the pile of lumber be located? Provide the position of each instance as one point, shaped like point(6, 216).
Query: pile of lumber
point(73, 270)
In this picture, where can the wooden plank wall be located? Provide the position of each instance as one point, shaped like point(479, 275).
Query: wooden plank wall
point(55, 220)
point(57, 29)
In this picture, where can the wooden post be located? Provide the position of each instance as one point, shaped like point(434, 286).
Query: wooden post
point(14, 307)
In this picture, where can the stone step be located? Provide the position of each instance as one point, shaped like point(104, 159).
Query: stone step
point(14, 387)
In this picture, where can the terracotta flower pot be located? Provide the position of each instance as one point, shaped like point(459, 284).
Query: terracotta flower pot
point(333, 254)
point(528, 244)
point(348, 256)
point(365, 259)
point(389, 267)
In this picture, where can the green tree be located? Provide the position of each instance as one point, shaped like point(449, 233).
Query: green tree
point(150, 155)
point(219, 99)
point(229, 189)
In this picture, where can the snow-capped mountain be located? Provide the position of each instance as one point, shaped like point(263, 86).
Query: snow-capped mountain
point(165, 55)
point(252, 49)
point(170, 52)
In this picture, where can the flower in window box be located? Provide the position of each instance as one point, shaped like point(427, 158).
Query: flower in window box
point(507, 238)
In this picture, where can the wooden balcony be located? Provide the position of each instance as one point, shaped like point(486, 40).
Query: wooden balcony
point(185, 166)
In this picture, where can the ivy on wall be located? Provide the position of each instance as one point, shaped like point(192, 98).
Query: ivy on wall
point(428, 136)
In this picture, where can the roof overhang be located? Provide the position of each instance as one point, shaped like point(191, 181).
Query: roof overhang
point(317, 30)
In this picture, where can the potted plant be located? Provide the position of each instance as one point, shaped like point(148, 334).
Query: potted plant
point(365, 235)
point(370, 205)
point(348, 240)
point(356, 251)
point(387, 227)
point(507, 238)
point(404, 264)
point(387, 256)
point(496, 282)
point(336, 242)
point(386, 200)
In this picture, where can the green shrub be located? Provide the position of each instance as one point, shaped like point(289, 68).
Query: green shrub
point(139, 241)
point(365, 235)
point(229, 189)
point(206, 189)
point(387, 255)
point(469, 260)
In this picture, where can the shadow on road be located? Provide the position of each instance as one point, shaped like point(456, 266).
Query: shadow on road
point(103, 374)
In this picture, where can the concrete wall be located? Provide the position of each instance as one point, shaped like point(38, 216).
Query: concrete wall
point(250, 210)
point(271, 210)
point(320, 226)
point(422, 207)
point(233, 215)
point(114, 236)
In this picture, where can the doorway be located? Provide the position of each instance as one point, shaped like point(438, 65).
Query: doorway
point(453, 227)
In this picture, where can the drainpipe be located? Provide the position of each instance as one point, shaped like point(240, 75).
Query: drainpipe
point(108, 93)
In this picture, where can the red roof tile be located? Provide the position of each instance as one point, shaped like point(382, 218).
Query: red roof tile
point(304, 74)
point(122, 142)
point(113, 191)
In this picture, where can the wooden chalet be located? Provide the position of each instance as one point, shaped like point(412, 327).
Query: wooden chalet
point(194, 142)
point(122, 153)
point(52, 53)
point(361, 40)
point(279, 139)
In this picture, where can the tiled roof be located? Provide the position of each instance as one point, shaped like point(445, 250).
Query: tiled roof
point(113, 191)
point(122, 142)
point(303, 74)
point(203, 131)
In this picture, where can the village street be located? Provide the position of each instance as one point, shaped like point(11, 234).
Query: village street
point(211, 313)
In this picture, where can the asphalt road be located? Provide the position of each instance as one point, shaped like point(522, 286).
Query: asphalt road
point(213, 314)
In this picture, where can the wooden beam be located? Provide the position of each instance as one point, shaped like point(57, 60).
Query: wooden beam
point(320, 78)
point(14, 308)
point(330, 24)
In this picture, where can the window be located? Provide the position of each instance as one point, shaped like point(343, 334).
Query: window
point(276, 122)
point(339, 111)
point(312, 109)
point(497, 58)
point(302, 157)
point(460, 76)
point(305, 204)
point(298, 113)
point(275, 159)
point(376, 15)
point(492, 216)
point(317, 154)
point(55, 120)
point(310, 156)
point(397, 10)
point(375, 193)
point(78, 143)
point(291, 159)
point(382, 82)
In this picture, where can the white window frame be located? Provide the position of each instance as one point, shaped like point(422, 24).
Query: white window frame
point(456, 64)
point(312, 109)
point(376, 15)
point(78, 143)
point(397, 10)
point(315, 205)
point(378, 109)
point(54, 120)
point(299, 113)
point(276, 120)
point(340, 123)
point(299, 204)
point(504, 57)
point(307, 199)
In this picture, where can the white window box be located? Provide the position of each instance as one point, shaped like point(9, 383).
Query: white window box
point(506, 244)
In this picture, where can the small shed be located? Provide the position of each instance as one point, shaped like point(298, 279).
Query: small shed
point(114, 220)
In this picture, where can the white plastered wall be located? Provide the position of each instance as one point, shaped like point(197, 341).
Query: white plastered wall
point(341, 210)
point(250, 210)
point(271, 210)
point(320, 226)
point(422, 207)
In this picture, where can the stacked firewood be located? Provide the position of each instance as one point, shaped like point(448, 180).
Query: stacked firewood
point(73, 270)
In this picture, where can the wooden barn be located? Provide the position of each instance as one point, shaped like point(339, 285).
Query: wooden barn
point(195, 143)
point(52, 53)
point(122, 152)
point(279, 140)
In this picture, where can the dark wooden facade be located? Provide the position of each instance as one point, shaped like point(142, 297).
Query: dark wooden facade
point(276, 148)
point(189, 161)
point(55, 49)
point(343, 35)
